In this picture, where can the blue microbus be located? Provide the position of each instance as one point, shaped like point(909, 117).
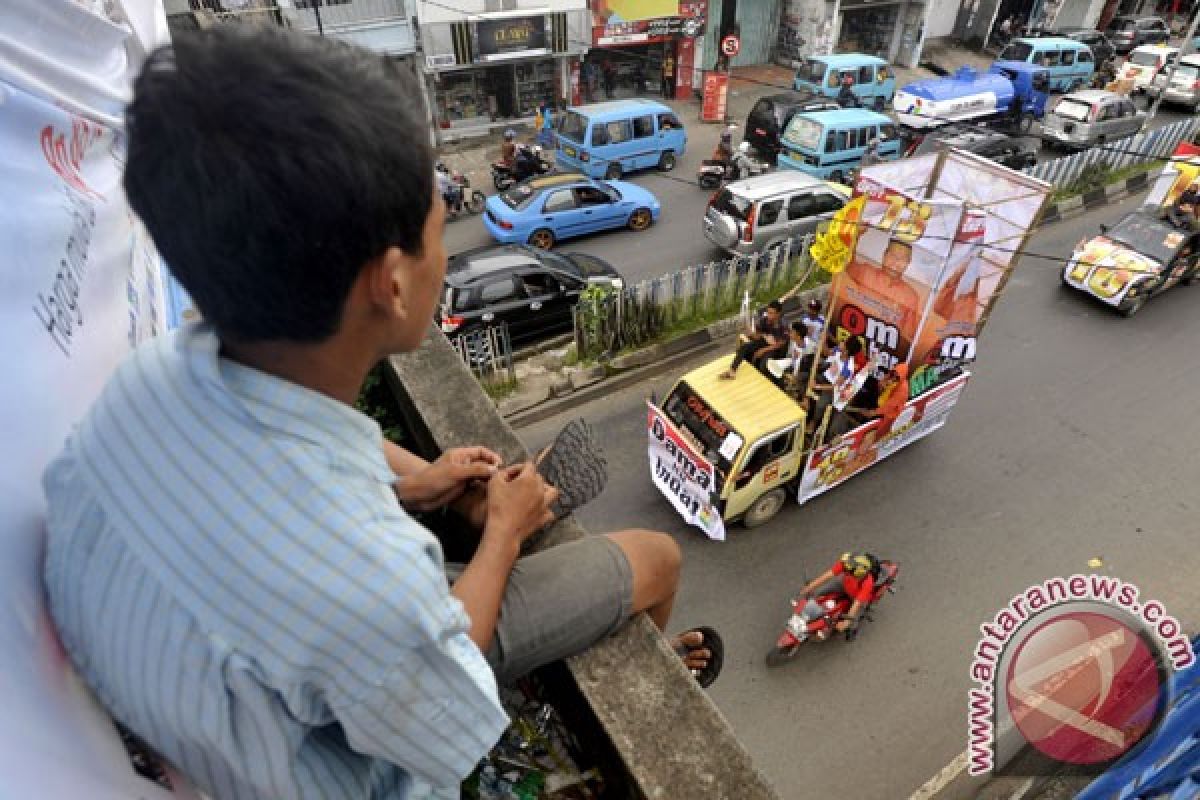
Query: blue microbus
point(874, 79)
point(829, 144)
point(610, 139)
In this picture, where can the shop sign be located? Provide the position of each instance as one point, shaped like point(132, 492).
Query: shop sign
point(716, 87)
point(498, 39)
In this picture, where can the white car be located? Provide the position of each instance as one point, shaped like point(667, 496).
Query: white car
point(1145, 63)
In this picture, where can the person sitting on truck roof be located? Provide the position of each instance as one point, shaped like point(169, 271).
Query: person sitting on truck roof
point(767, 341)
point(1182, 212)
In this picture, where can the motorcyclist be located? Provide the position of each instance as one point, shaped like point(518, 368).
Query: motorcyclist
point(857, 573)
point(508, 150)
point(452, 193)
point(846, 97)
point(871, 156)
point(724, 150)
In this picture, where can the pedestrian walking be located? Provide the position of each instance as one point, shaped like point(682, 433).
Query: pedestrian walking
point(610, 78)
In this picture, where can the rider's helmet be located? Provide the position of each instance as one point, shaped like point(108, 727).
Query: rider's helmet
point(856, 565)
point(744, 147)
point(510, 134)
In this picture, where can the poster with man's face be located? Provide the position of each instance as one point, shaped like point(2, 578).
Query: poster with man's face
point(897, 264)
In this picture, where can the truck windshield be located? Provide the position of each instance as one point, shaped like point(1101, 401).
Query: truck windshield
point(572, 126)
point(1016, 51)
point(1149, 236)
point(708, 430)
point(803, 134)
point(1071, 108)
point(812, 71)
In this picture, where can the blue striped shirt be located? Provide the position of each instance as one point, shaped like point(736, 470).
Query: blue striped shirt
point(230, 571)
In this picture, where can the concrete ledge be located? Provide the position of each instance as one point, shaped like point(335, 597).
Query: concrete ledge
point(669, 736)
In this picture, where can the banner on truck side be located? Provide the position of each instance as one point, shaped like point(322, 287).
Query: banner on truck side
point(686, 478)
point(853, 452)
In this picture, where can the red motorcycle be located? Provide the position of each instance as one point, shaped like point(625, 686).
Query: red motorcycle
point(816, 618)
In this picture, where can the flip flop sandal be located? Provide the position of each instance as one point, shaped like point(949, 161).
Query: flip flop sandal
point(575, 465)
point(716, 648)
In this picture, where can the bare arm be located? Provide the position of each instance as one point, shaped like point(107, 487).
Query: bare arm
point(813, 584)
point(424, 486)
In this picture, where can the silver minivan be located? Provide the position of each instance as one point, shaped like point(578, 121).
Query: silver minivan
point(1090, 117)
point(1185, 83)
point(755, 214)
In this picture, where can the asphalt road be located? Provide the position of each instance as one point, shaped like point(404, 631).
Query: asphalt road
point(677, 240)
point(1076, 439)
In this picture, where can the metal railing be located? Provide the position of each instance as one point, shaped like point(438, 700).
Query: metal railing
point(488, 353)
point(1140, 148)
point(609, 321)
point(343, 14)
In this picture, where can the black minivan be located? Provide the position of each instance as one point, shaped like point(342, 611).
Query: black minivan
point(771, 115)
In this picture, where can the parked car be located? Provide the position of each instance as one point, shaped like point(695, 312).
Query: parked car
point(771, 115)
point(1013, 152)
point(542, 211)
point(1090, 117)
point(1184, 88)
point(756, 214)
point(1102, 49)
point(1126, 33)
point(530, 290)
point(1146, 63)
point(1139, 257)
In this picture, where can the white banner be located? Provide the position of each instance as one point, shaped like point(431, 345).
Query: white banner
point(686, 478)
point(81, 286)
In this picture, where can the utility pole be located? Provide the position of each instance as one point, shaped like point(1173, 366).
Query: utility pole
point(1185, 49)
point(316, 6)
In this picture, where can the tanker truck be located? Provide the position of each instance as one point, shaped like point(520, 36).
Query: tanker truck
point(1010, 95)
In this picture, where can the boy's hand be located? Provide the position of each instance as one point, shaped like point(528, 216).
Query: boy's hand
point(518, 503)
point(443, 481)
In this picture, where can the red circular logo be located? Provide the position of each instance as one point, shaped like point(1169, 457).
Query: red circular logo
point(1084, 688)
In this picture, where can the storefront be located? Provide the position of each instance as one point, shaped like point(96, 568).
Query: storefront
point(892, 30)
point(491, 71)
point(652, 50)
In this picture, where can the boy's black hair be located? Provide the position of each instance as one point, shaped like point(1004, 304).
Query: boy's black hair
point(775, 304)
point(799, 327)
point(269, 167)
point(854, 345)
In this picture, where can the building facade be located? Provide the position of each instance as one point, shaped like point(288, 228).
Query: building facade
point(491, 63)
point(644, 47)
point(893, 30)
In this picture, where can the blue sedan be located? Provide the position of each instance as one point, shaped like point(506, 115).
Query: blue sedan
point(541, 211)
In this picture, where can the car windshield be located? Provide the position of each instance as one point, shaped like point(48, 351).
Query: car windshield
point(812, 71)
point(1144, 59)
point(1017, 51)
point(608, 187)
point(1149, 236)
point(729, 203)
point(518, 197)
point(803, 133)
point(1074, 109)
point(573, 125)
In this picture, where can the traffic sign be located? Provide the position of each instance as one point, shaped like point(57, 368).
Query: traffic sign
point(730, 45)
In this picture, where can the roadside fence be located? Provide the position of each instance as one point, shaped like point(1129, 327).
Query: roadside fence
point(1137, 149)
point(609, 320)
point(487, 352)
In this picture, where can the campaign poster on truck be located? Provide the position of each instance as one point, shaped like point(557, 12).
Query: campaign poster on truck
point(685, 476)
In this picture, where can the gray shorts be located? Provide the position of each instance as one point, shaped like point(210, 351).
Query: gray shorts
point(558, 602)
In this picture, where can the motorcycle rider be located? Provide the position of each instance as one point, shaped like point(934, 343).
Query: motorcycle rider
point(724, 149)
point(857, 573)
point(508, 150)
point(452, 193)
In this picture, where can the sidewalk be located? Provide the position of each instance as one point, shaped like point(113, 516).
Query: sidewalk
point(473, 157)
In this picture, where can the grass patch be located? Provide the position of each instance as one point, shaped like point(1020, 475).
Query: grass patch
point(499, 390)
point(1097, 176)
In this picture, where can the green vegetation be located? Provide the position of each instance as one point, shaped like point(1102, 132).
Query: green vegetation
point(1097, 176)
point(377, 401)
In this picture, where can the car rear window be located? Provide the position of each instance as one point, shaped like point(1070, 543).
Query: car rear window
point(1144, 59)
point(1187, 71)
point(1073, 109)
point(1149, 237)
point(1017, 51)
point(518, 197)
point(729, 203)
point(573, 126)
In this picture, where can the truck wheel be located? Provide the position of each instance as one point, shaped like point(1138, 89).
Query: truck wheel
point(880, 104)
point(1026, 123)
point(1131, 307)
point(613, 173)
point(1075, 86)
point(837, 176)
point(764, 508)
point(667, 162)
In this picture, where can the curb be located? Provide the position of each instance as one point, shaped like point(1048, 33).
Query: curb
point(628, 369)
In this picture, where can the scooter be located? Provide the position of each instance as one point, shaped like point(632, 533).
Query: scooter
point(473, 200)
point(816, 618)
point(528, 162)
point(742, 165)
